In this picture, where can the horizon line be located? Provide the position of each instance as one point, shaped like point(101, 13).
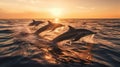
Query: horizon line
point(59, 18)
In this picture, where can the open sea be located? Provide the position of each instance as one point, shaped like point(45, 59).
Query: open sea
point(16, 49)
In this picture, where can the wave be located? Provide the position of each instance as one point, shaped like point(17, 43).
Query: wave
point(20, 49)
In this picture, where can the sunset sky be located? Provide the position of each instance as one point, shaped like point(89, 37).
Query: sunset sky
point(60, 8)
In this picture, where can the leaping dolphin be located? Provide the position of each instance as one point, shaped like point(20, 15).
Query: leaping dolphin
point(50, 26)
point(35, 23)
point(73, 34)
point(53, 26)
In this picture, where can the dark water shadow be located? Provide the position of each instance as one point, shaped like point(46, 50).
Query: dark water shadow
point(6, 31)
point(6, 26)
point(111, 38)
point(3, 39)
point(107, 56)
point(21, 61)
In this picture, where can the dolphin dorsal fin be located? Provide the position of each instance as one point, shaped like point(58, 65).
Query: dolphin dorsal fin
point(33, 20)
point(71, 28)
point(49, 22)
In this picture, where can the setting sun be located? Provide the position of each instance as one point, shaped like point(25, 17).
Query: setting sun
point(59, 9)
point(56, 12)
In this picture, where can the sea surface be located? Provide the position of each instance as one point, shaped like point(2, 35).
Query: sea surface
point(20, 48)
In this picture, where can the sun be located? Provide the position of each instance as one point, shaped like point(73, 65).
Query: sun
point(56, 12)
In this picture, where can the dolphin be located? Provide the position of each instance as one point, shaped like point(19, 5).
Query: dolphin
point(73, 34)
point(35, 23)
point(50, 26)
point(42, 29)
point(53, 26)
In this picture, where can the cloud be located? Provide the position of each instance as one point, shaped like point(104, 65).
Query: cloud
point(85, 9)
point(81, 7)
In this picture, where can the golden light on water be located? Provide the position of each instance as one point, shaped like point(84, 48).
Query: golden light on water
point(48, 57)
point(56, 20)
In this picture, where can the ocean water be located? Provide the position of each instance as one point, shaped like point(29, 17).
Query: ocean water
point(20, 48)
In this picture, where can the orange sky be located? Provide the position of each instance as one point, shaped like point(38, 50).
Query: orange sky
point(60, 8)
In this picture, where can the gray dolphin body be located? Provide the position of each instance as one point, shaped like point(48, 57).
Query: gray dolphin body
point(35, 23)
point(74, 34)
point(53, 26)
point(50, 26)
point(42, 29)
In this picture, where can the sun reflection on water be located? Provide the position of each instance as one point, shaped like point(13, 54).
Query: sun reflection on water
point(56, 20)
